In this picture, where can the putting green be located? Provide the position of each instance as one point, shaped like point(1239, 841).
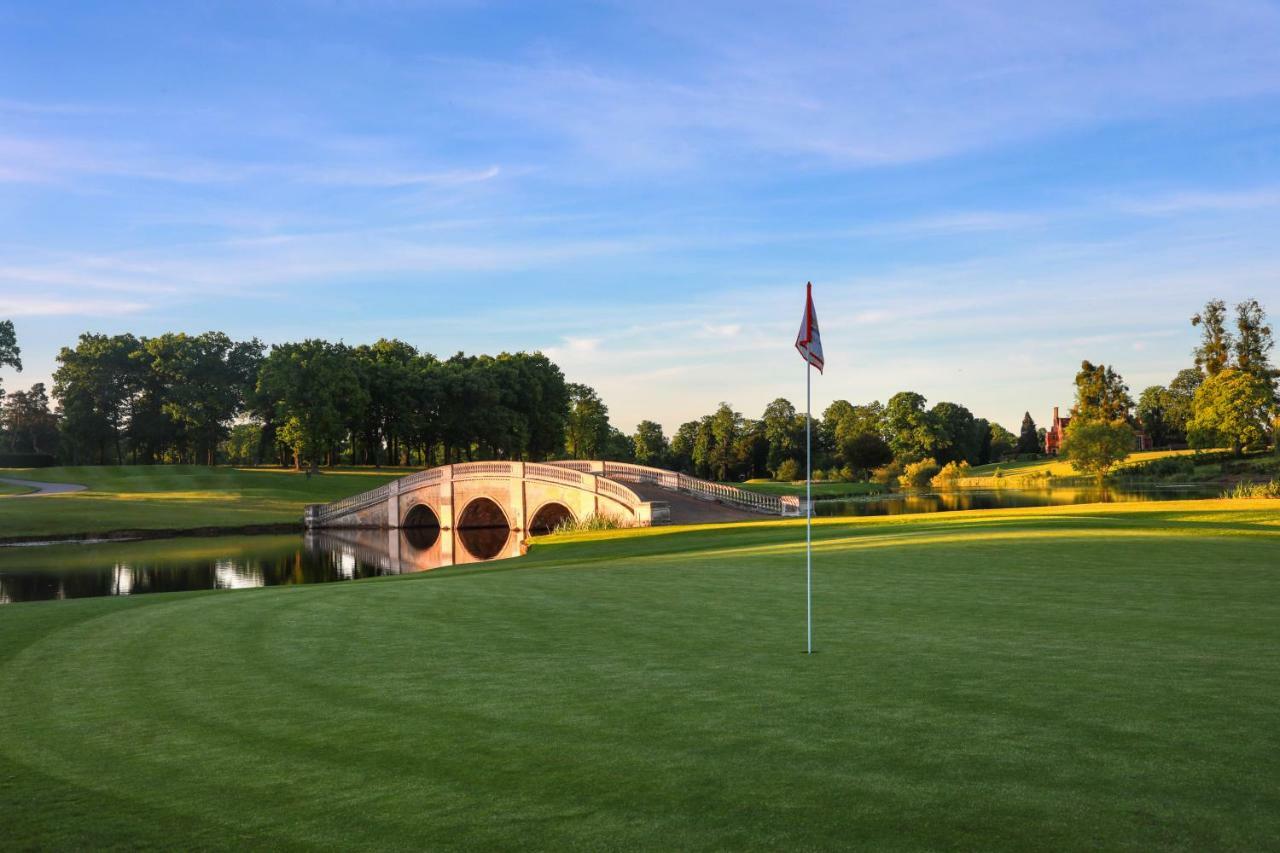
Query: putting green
point(1066, 678)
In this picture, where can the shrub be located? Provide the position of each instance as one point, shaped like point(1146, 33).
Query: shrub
point(1254, 490)
point(920, 474)
point(788, 471)
point(819, 475)
point(890, 475)
point(949, 475)
point(997, 474)
point(589, 523)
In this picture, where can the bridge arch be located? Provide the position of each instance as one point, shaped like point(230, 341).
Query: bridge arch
point(421, 526)
point(484, 511)
point(546, 518)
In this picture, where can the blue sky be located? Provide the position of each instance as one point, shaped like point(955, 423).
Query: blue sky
point(983, 193)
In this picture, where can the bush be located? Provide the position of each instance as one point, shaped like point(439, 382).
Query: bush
point(819, 475)
point(589, 523)
point(920, 474)
point(1170, 466)
point(788, 472)
point(949, 475)
point(1254, 490)
point(890, 475)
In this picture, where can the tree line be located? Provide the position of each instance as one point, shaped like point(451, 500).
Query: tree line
point(206, 398)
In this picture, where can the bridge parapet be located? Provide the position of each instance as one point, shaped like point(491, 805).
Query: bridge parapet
point(785, 505)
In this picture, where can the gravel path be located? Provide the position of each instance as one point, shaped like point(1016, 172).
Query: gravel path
point(42, 488)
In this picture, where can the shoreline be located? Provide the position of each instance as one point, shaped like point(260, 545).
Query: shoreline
point(152, 533)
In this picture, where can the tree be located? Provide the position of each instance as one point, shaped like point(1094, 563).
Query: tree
point(96, 384)
point(910, 432)
point(207, 379)
point(1152, 411)
point(682, 445)
point(1095, 447)
point(1253, 340)
point(9, 351)
point(1214, 353)
point(1179, 401)
point(651, 446)
point(311, 385)
point(725, 425)
point(783, 432)
point(954, 435)
point(1003, 442)
point(1232, 408)
point(1101, 394)
point(865, 451)
point(1029, 440)
point(588, 423)
point(28, 423)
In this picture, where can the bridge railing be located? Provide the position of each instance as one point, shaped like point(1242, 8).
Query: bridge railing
point(695, 486)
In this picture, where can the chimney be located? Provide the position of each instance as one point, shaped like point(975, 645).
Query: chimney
point(1055, 414)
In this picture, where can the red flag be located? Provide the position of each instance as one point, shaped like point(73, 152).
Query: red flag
point(809, 342)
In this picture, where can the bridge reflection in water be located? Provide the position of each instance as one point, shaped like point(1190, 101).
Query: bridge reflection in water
point(417, 549)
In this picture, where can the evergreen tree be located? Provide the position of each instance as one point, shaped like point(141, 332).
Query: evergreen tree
point(1216, 343)
point(1029, 440)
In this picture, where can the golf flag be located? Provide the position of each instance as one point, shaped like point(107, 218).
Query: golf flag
point(809, 341)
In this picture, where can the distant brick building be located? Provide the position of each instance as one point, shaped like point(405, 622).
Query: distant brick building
point(1057, 434)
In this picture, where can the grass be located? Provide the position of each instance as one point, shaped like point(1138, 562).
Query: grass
point(1099, 677)
point(820, 490)
point(174, 498)
point(10, 489)
point(1060, 467)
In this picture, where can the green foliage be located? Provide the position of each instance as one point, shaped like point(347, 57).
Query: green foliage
point(10, 353)
point(788, 472)
point(1216, 342)
point(1101, 395)
point(1253, 342)
point(29, 426)
point(1095, 447)
point(243, 444)
point(313, 389)
point(917, 475)
point(1030, 440)
point(908, 426)
point(1232, 408)
point(1003, 443)
point(588, 423)
point(650, 445)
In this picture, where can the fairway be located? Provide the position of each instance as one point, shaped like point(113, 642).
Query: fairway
point(1068, 678)
point(174, 497)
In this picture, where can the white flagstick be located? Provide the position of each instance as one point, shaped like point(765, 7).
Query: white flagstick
point(808, 495)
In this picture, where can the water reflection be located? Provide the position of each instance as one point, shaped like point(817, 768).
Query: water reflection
point(240, 562)
point(962, 499)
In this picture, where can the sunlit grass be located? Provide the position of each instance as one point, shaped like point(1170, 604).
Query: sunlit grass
point(1087, 677)
point(174, 498)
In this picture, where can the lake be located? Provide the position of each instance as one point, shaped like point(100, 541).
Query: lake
point(80, 570)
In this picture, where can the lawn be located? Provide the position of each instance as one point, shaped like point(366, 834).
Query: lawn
point(11, 489)
point(1098, 677)
point(1055, 467)
point(820, 490)
point(174, 497)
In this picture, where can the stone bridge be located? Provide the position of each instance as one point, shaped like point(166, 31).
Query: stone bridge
point(534, 498)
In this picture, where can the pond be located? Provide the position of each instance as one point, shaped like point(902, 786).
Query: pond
point(79, 570)
point(961, 499)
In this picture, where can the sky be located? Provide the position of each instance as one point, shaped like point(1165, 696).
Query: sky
point(982, 193)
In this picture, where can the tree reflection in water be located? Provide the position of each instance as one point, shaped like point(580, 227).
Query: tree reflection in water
point(235, 562)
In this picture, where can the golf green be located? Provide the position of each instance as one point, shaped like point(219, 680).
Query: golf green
point(1070, 678)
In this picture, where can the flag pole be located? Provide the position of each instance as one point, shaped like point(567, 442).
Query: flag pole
point(808, 497)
